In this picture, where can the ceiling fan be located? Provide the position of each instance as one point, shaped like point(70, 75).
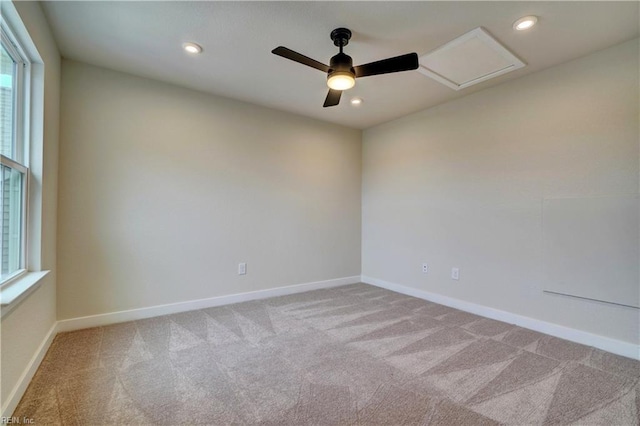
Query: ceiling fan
point(341, 74)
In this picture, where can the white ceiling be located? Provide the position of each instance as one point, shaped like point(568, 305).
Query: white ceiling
point(145, 38)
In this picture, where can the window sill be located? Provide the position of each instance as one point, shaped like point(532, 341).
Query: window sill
point(13, 292)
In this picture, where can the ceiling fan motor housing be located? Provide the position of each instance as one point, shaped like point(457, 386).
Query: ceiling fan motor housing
point(341, 62)
point(341, 69)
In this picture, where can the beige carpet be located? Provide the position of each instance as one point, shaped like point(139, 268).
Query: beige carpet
point(350, 355)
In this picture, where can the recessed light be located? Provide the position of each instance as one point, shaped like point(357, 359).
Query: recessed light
point(192, 48)
point(356, 101)
point(525, 23)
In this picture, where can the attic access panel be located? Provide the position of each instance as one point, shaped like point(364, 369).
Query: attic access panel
point(469, 59)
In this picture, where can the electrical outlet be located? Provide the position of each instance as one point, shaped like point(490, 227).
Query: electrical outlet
point(242, 268)
point(455, 273)
point(425, 268)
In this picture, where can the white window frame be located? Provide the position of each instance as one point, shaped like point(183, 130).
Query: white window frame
point(21, 142)
point(24, 210)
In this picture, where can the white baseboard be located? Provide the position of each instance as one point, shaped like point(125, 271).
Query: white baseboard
point(618, 347)
point(154, 311)
point(18, 391)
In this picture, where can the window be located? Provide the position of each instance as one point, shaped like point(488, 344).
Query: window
point(14, 174)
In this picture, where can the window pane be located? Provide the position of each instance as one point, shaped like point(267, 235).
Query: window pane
point(7, 103)
point(11, 244)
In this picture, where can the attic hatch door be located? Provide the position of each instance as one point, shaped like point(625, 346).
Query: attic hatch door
point(469, 59)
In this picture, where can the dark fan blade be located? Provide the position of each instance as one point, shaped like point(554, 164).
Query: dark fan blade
point(399, 63)
point(333, 98)
point(295, 56)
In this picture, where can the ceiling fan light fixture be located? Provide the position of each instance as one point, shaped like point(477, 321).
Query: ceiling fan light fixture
point(525, 23)
point(341, 80)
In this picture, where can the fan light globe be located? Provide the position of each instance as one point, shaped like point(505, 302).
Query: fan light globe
point(341, 80)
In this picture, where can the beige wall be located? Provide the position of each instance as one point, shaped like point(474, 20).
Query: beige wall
point(462, 185)
point(25, 326)
point(163, 191)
